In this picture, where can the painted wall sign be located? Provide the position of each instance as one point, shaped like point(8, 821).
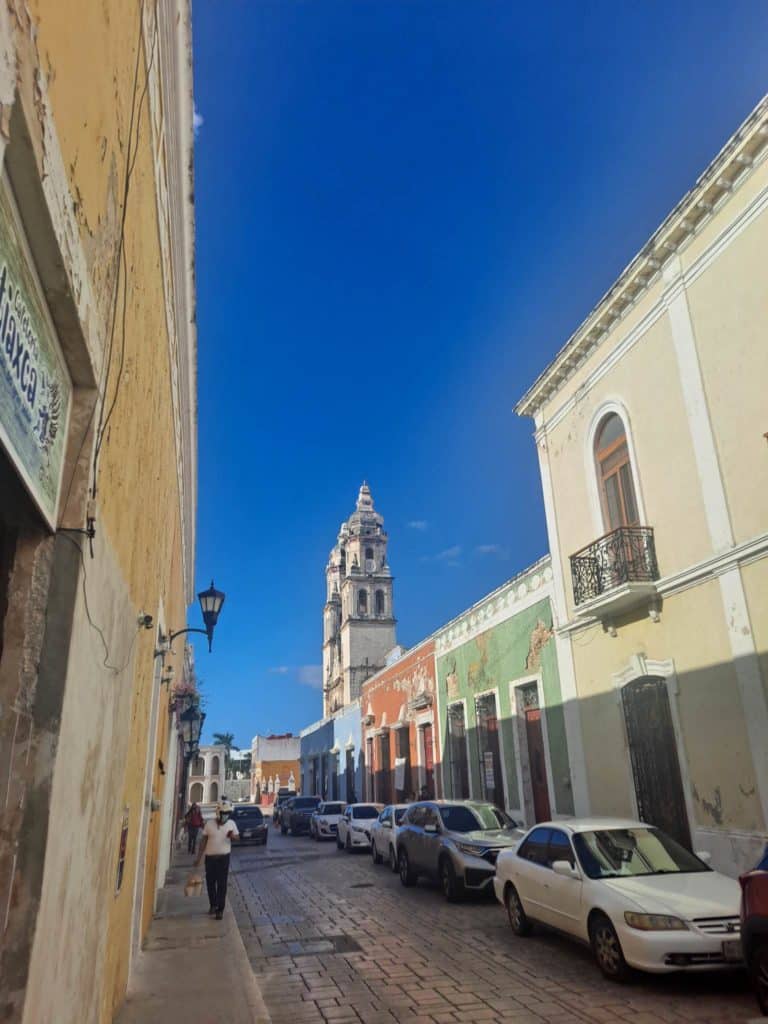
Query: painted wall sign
point(35, 387)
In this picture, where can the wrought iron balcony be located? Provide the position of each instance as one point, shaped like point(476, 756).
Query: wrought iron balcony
point(624, 556)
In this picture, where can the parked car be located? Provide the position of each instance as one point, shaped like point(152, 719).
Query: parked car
point(754, 928)
point(324, 823)
point(294, 817)
point(629, 890)
point(455, 841)
point(281, 800)
point(384, 832)
point(355, 826)
point(251, 823)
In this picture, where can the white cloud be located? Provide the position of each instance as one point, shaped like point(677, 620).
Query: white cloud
point(418, 524)
point(310, 675)
point(492, 549)
point(448, 556)
point(197, 121)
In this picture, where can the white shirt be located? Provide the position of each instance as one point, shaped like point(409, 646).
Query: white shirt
point(218, 837)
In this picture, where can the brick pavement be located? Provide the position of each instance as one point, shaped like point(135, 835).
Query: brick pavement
point(332, 938)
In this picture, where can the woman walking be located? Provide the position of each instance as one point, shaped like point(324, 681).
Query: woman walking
point(193, 819)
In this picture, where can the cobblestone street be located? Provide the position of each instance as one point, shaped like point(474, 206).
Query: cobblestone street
point(331, 937)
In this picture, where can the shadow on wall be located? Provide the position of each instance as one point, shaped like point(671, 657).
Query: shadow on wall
point(670, 749)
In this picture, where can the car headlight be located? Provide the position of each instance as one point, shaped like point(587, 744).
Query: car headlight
point(469, 850)
point(358, 829)
point(655, 922)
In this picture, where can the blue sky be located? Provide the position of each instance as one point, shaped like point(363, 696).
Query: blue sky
point(403, 210)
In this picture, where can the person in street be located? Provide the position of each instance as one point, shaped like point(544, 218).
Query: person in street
point(193, 820)
point(216, 847)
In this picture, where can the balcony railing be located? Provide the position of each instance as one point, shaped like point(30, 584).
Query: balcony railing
point(626, 555)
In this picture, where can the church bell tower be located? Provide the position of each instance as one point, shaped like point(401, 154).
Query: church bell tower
point(358, 618)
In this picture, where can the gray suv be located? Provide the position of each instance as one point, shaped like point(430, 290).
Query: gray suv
point(454, 841)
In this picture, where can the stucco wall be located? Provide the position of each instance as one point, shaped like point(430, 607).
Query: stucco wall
point(520, 648)
point(112, 727)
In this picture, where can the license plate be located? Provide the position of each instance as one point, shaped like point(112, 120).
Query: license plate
point(246, 835)
point(732, 950)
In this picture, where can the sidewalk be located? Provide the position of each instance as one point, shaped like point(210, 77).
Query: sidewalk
point(192, 969)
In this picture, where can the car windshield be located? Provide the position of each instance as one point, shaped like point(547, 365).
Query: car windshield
point(365, 812)
point(478, 818)
point(628, 852)
point(399, 813)
point(250, 813)
point(305, 803)
point(333, 809)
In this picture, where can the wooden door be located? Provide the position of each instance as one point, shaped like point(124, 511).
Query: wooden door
point(429, 761)
point(538, 765)
point(653, 756)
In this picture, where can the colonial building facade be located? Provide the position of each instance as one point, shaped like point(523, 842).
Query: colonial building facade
point(505, 732)
point(358, 618)
point(651, 435)
point(98, 478)
point(206, 784)
point(400, 739)
point(274, 765)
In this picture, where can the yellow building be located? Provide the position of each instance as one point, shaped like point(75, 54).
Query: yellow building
point(651, 432)
point(97, 485)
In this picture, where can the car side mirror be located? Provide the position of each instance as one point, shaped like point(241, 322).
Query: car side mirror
point(704, 855)
point(564, 868)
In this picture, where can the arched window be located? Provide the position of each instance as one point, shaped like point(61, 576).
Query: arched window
point(362, 602)
point(379, 602)
point(215, 764)
point(214, 792)
point(196, 793)
point(614, 473)
point(198, 766)
point(369, 554)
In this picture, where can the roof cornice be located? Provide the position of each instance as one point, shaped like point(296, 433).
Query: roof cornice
point(746, 148)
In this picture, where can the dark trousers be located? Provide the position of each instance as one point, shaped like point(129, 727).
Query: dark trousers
point(192, 831)
point(216, 872)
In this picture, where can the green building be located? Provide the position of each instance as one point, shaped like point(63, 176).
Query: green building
point(500, 707)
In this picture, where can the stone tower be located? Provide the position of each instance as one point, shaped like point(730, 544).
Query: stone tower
point(358, 619)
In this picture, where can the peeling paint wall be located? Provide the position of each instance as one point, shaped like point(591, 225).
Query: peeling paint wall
point(81, 709)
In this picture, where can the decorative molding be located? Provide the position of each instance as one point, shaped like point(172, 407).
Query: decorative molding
point(517, 594)
point(737, 160)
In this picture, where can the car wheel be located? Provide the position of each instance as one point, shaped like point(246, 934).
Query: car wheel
point(518, 919)
point(758, 972)
point(449, 883)
point(407, 877)
point(393, 859)
point(375, 855)
point(607, 948)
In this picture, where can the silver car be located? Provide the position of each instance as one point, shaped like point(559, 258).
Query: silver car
point(454, 841)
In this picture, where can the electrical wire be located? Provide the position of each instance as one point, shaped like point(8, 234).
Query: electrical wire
point(118, 670)
point(130, 162)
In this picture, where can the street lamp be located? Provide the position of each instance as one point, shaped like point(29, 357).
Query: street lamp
point(211, 601)
point(191, 727)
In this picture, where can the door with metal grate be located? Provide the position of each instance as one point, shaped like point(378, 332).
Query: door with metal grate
point(653, 756)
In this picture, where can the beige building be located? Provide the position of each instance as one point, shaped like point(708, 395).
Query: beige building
point(97, 486)
point(651, 432)
point(206, 783)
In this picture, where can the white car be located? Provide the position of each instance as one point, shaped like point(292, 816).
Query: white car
point(324, 823)
point(355, 826)
point(629, 890)
point(384, 834)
